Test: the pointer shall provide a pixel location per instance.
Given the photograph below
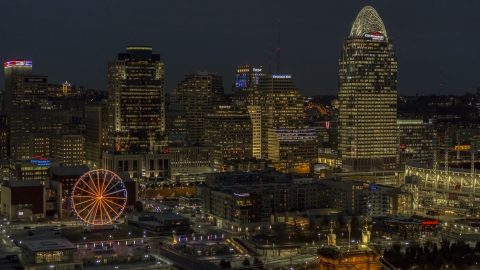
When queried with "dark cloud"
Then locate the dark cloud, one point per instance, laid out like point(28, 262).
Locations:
point(73, 40)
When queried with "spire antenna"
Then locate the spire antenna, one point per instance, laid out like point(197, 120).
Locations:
point(269, 59)
point(278, 49)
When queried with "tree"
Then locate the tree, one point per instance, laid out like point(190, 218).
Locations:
point(138, 206)
point(246, 262)
point(257, 263)
point(228, 265)
point(222, 264)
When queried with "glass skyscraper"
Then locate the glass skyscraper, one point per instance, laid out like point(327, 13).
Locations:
point(368, 96)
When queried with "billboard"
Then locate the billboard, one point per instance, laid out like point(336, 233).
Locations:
point(317, 167)
point(18, 63)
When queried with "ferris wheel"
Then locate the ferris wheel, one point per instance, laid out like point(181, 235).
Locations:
point(99, 197)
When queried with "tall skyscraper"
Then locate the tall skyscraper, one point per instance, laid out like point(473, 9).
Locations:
point(14, 69)
point(246, 82)
point(368, 96)
point(198, 93)
point(136, 105)
point(282, 107)
point(229, 130)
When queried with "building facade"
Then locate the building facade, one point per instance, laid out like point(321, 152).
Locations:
point(246, 82)
point(68, 148)
point(368, 96)
point(197, 93)
point(229, 130)
point(96, 134)
point(13, 70)
point(136, 105)
point(282, 108)
point(22, 122)
point(416, 140)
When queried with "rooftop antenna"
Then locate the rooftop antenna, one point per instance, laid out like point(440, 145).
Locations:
point(269, 59)
point(278, 49)
point(441, 80)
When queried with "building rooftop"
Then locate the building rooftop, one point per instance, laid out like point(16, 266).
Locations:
point(69, 170)
point(162, 216)
point(48, 245)
point(22, 183)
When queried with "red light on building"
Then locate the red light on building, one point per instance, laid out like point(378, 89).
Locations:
point(430, 222)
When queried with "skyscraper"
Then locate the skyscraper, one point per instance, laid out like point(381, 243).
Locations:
point(198, 93)
point(14, 69)
point(246, 82)
point(282, 107)
point(368, 96)
point(136, 105)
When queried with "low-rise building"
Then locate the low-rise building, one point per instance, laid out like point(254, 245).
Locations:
point(245, 208)
point(49, 254)
point(31, 169)
point(165, 222)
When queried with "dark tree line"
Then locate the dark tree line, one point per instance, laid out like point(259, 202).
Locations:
point(430, 256)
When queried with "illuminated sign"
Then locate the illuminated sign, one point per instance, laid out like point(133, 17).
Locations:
point(327, 125)
point(17, 63)
point(241, 81)
point(40, 161)
point(241, 194)
point(374, 36)
point(282, 76)
point(42, 80)
point(224, 107)
point(430, 222)
point(256, 69)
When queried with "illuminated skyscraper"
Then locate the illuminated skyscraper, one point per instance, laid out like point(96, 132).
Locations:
point(229, 130)
point(282, 107)
point(14, 69)
point(246, 82)
point(198, 93)
point(136, 105)
point(368, 96)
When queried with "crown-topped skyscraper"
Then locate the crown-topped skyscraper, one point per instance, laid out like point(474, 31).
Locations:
point(368, 96)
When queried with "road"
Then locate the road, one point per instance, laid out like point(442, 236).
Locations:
point(184, 261)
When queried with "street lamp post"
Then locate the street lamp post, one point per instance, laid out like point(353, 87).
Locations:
point(319, 235)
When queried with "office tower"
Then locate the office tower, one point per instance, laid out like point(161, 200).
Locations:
point(176, 120)
point(294, 149)
point(14, 69)
point(197, 93)
point(4, 137)
point(22, 122)
point(368, 96)
point(96, 127)
point(40, 144)
point(68, 148)
point(136, 105)
point(246, 81)
point(282, 107)
point(31, 91)
point(228, 129)
point(416, 140)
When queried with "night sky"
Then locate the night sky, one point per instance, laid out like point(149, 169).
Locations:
point(73, 40)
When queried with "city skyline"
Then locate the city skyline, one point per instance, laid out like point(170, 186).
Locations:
point(218, 37)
